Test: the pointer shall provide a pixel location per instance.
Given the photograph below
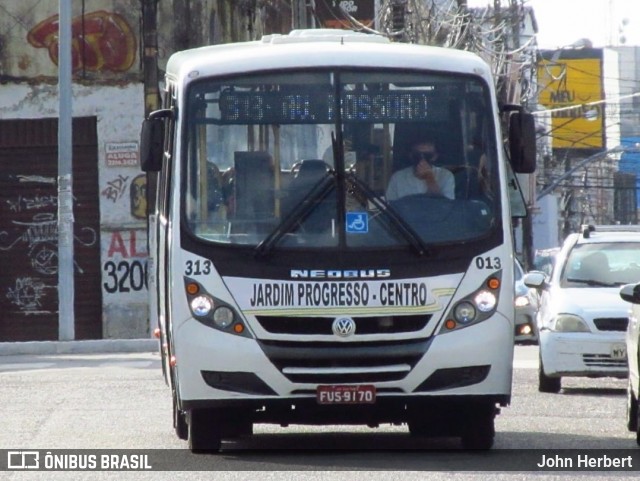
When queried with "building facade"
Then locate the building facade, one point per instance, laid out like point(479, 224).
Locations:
point(111, 42)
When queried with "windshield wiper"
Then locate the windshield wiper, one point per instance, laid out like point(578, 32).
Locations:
point(300, 211)
point(593, 282)
point(398, 222)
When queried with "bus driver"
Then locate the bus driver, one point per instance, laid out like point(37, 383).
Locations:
point(421, 177)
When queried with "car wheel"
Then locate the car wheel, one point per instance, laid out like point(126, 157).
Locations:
point(632, 409)
point(546, 383)
point(204, 433)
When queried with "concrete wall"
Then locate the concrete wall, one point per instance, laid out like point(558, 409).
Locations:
point(119, 110)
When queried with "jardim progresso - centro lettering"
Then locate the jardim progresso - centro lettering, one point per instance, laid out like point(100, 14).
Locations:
point(327, 294)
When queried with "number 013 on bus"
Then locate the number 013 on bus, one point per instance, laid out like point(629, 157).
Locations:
point(330, 241)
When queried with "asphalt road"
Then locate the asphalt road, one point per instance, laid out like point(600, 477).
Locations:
point(120, 401)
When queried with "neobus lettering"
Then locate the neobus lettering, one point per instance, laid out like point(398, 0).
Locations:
point(339, 274)
point(403, 294)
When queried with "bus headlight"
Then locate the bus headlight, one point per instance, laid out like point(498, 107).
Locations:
point(475, 307)
point(223, 317)
point(464, 312)
point(486, 301)
point(201, 305)
point(214, 312)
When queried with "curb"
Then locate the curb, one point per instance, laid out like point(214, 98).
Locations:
point(78, 347)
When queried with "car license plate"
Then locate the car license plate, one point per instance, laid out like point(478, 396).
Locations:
point(619, 351)
point(358, 394)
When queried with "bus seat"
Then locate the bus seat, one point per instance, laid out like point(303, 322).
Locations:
point(254, 182)
point(307, 173)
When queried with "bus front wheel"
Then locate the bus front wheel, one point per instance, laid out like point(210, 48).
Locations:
point(479, 430)
point(204, 430)
point(179, 421)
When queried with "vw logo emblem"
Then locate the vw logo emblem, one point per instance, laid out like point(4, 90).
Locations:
point(343, 327)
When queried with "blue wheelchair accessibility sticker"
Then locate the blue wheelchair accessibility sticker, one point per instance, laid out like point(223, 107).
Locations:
point(357, 222)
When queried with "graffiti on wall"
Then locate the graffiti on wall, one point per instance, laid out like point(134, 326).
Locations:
point(125, 270)
point(41, 238)
point(101, 41)
point(36, 238)
point(117, 187)
point(32, 202)
point(28, 294)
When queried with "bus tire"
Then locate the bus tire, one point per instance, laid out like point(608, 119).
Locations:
point(479, 430)
point(179, 422)
point(548, 384)
point(204, 433)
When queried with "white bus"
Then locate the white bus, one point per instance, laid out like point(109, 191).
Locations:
point(288, 287)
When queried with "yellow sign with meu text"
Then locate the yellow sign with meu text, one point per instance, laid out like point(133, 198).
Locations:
point(572, 89)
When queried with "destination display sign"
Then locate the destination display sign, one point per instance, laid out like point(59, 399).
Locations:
point(307, 106)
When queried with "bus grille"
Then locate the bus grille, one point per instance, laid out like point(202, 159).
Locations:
point(341, 362)
point(322, 325)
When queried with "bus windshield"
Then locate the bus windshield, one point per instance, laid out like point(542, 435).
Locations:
point(339, 158)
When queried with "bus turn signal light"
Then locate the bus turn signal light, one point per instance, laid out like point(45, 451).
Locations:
point(493, 283)
point(193, 288)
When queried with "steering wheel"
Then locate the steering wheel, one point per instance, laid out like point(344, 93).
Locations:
point(295, 168)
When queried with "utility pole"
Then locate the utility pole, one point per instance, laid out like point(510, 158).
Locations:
point(152, 102)
point(66, 312)
point(299, 18)
point(516, 89)
point(150, 55)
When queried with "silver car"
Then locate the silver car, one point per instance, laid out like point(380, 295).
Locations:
point(631, 293)
point(581, 318)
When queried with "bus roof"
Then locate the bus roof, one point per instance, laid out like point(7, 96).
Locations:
point(321, 48)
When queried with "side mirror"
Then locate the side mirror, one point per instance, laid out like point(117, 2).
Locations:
point(535, 279)
point(630, 293)
point(152, 140)
point(522, 142)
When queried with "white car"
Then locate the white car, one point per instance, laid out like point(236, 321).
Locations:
point(631, 293)
point(581, 318)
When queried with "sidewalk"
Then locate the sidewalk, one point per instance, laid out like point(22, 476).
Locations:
point(78, 347)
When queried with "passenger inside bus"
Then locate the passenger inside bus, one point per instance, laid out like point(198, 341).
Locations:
point(422, 176)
